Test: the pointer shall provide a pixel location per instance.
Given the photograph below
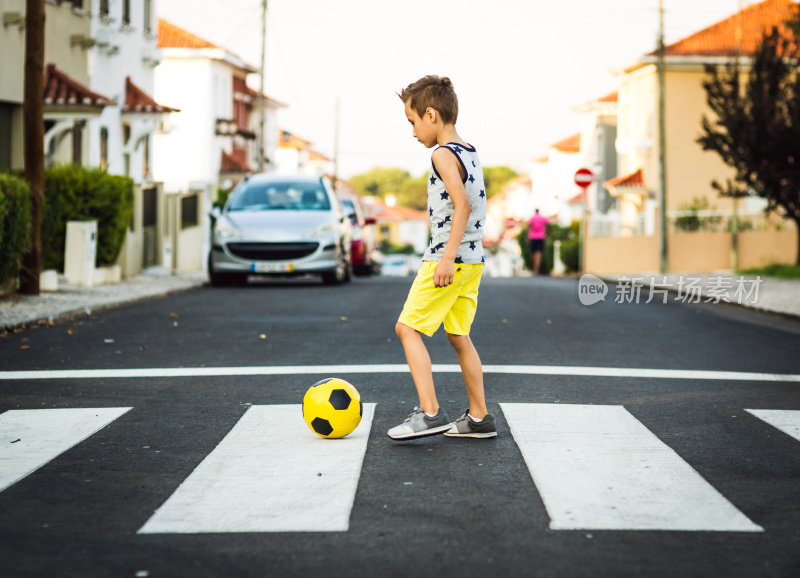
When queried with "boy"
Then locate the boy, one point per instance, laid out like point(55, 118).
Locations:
point(446, 286)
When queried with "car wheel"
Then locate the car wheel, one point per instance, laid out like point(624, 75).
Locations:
point(339, 275)
point(224, 279)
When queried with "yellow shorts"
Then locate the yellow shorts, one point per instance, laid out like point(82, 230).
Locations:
point(428, 306)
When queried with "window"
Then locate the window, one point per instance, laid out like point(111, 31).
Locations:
point(103, 148)
point(146, 161)
point(78, 4)
point(281, 195)
point(104, 9)
point(126, 12)
point(189, 212)
point(148, 28)
point(77, 142)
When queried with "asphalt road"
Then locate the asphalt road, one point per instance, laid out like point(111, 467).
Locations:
point(430, 507)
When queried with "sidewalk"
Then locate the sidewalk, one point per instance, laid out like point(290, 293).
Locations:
point(68, 301)
point(768, 294)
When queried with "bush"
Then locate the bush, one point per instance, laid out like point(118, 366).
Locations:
point(15, 222)
point(554, 232)
point(74, 193)
point(570, 251)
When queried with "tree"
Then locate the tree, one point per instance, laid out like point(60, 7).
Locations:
point(495, 177)
point(756, 129)
point(379, 182)
point(412, 192)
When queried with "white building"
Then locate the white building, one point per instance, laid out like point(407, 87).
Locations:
point(553, 181)
point(212, 143)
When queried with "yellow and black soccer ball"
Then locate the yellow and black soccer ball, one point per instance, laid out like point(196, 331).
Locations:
point(332, 408)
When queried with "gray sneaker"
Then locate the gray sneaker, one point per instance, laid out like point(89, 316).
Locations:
point(466, 427)
point(419, 425)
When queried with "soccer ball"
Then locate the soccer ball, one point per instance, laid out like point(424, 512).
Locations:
point(332, 408)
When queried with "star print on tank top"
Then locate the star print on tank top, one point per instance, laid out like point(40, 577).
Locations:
point(441, 208)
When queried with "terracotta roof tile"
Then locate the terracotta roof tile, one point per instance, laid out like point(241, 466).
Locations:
point(171, 36)
point(231, 164)
point(317, 156)
point(62, 90)
point(720, 39)
point(289, 140)
point(633, 180)
point(612, 97)
point(570, 144)
point(137, 100)
point(579, 198)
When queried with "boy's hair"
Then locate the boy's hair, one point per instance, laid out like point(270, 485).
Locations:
point(435, 92)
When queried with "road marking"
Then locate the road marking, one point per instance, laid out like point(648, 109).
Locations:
point(269, 474)
point(786, 420)
point(599, 468)
point(29, 438)
point(628, 372)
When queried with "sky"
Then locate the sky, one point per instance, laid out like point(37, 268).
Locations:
point(519, 67)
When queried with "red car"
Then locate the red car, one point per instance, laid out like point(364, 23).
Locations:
point(362, 249)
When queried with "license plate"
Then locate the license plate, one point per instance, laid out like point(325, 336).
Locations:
point(271, 267)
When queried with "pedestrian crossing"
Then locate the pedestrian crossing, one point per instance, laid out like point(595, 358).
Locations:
point(298, 482)
point(599, 468)
point(595, 467)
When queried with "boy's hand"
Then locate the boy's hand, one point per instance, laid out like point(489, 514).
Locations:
point(444, 273)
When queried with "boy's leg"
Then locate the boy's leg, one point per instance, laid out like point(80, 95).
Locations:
point(419, 362)
point(472, 369)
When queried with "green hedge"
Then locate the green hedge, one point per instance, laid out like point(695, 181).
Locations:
point(15, 222)
point(73, 193)
point(554, 232)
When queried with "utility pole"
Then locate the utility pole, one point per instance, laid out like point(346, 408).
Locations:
point(261, 86)
point(33, 139)
point(336, 142)
point(662, 145)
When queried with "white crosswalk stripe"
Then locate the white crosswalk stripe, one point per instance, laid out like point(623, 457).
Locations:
point(598, 467)
point(786, 420)
point(595, 467)
point(29, 438)
point(269, 474)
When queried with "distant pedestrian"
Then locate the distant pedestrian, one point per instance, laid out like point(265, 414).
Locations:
point(537, 233)
point(446, 286)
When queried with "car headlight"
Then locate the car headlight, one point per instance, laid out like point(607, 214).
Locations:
point(323, 230)
point(225, 230)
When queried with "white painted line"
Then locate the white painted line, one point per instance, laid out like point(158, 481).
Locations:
point(269, 474)
point(29, 438)
point(627, 372)
point(599, 468)
point(786, 420)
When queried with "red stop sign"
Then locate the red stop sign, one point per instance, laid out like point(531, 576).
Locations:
point(584, 178)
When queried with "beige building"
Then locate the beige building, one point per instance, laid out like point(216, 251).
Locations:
point(698, 230)
point(68, 102)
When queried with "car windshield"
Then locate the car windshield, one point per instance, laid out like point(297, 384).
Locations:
point(292, 196)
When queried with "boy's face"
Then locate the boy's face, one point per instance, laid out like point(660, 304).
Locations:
point(424, 127)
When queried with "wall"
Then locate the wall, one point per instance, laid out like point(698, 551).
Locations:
point(621, 256)
point(690, 169)
point(187, 152)
point(689, 252)
point(12, 50)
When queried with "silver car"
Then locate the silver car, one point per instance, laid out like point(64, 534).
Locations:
point(280, 225)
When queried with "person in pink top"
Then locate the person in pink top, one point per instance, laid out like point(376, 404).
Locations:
point(536, 236)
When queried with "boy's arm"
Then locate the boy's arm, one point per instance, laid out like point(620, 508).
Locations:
point(449, 170)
